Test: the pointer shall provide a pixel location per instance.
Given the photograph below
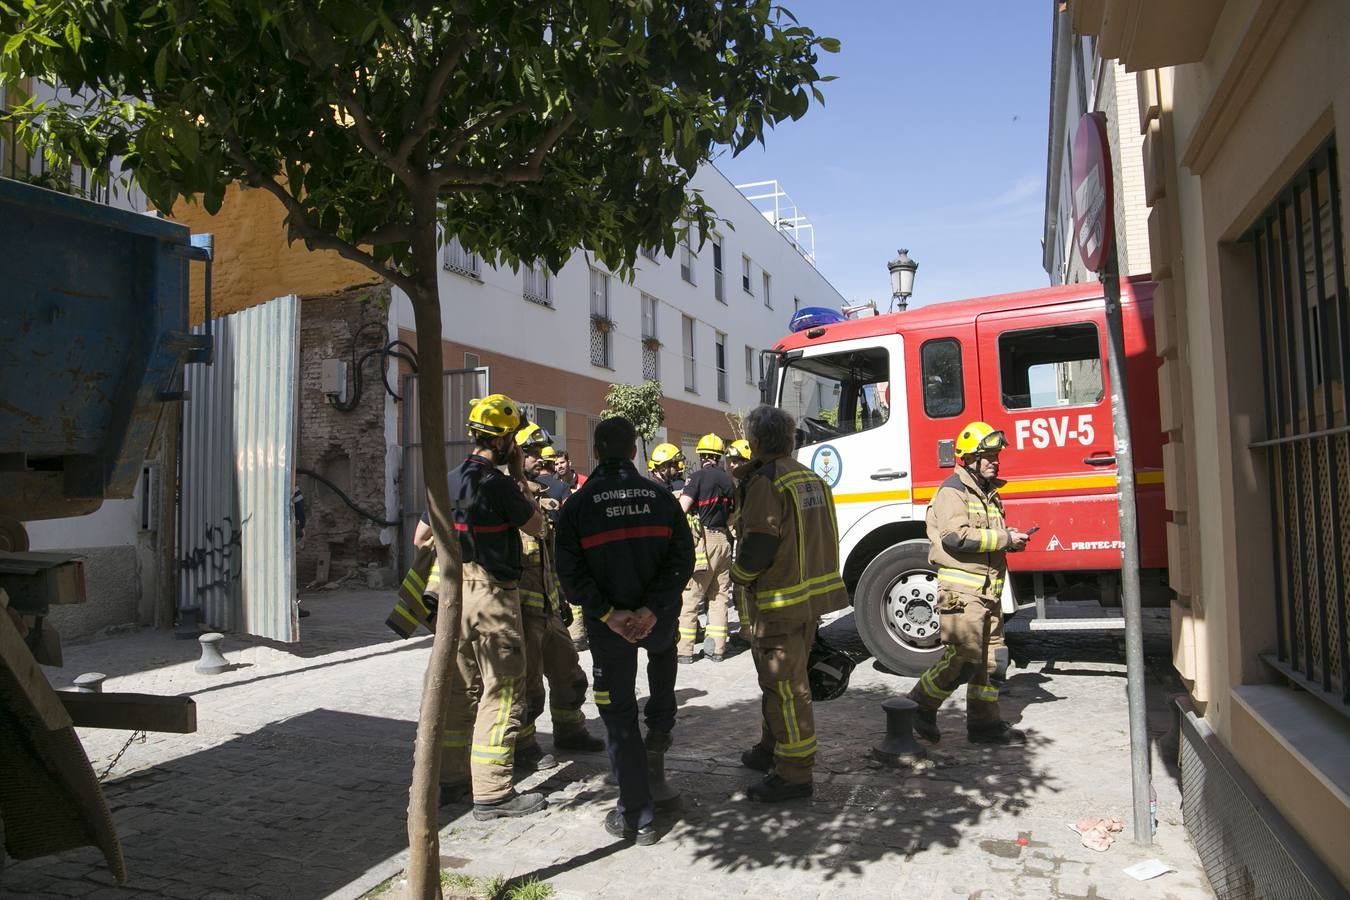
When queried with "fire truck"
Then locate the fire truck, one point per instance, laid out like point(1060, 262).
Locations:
point(879, 402)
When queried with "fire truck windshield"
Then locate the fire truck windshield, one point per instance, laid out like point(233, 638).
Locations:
point(837, 394)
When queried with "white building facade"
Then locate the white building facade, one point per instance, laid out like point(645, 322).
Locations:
point(697, 322)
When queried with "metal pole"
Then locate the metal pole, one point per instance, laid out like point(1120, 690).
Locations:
point(1129, 562)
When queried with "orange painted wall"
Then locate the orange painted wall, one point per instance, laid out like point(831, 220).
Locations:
point(253, 262)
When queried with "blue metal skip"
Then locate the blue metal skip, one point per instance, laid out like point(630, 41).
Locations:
point(94, 320)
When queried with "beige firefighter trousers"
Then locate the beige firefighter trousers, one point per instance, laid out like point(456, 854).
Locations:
point(712, 586)
point(484, 716)
point(549, 654)
point(971, 628)
point(781, 651)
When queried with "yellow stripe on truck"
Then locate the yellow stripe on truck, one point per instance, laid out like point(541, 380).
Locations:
point(1014, 486)
point(1065, 483)
point(872, 497)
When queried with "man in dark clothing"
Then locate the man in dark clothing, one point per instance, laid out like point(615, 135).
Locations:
point(708, 499)
point(624, 554)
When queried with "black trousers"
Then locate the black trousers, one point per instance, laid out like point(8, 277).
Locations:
point(614, 687)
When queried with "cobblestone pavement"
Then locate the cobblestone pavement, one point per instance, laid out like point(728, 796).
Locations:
point(295, 785)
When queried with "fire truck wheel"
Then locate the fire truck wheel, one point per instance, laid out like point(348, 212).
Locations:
point(895, 606)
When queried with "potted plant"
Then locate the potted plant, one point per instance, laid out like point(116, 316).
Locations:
point(651, 343)
point(602, 323)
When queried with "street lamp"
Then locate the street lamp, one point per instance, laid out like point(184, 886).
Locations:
point(902, 270)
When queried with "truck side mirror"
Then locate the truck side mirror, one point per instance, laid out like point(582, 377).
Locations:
point(947, 454)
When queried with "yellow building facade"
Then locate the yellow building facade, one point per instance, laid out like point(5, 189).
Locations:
point(1245, 116)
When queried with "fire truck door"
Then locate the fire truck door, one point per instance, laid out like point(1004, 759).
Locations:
point(849, 401)
point(1043, 382)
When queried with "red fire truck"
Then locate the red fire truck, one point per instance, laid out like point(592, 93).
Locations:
point(879, 402)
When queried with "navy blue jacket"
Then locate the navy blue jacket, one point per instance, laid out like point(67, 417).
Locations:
point(623, 543)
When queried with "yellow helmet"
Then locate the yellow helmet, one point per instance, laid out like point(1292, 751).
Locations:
point(495, 415)
point(979, 438)
point(534, 437)
point(664, 453)
point(739, 449)
point(548, 453)
point(711, 445)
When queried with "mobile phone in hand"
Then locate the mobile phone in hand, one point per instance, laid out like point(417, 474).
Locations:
point(1032, 530)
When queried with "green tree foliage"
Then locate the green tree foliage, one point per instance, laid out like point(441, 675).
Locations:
point(640, 404)
point(527, 130)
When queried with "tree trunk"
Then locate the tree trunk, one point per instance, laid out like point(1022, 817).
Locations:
point(423, 842)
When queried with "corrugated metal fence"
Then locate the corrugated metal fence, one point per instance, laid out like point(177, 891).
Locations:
point(236, 532)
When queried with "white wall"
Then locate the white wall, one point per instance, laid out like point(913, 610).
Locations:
point(114, 524)
point(492, 314)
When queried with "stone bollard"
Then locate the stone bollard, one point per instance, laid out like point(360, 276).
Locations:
point(90, 683)
point(898, 747)
point(213, 662)
point(663, 795)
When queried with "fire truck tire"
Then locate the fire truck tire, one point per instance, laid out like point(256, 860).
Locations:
point(895, 607)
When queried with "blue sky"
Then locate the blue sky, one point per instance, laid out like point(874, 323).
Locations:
point(933, 138)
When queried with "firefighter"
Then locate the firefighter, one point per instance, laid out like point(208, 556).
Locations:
point(738, 463)
point(969, 542)
point(624, 554)
point(559, 465)
point(491, 511)
point(548, 647)
point(666, 465)
point(788, 562)
point(708, 500)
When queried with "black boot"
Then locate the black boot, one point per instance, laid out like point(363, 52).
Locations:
point(533, 759)
point(774, 789)
point(926, 726)
point(510, 807)
point(616, 825)
point(995, 733)
point(759, 758)
point(578, 741)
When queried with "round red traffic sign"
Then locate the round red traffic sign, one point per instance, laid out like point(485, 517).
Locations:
point(1093, 193)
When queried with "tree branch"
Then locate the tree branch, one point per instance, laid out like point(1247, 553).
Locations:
point(452, 177)
point(300, 222)
point(388, 234)
point(431, 100)
point(351, 104)
point(466, 134)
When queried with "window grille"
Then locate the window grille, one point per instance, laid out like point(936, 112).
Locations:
point(651, 351)
point(457, 259)
point(690, 382)
point(538, 284)
point(602, 334)
point(1305, 346)
point(720, 349)
point(719, 280)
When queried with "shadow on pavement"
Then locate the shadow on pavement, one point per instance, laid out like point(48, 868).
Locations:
point(861, 811)
point(341, 622)
point(297, 809)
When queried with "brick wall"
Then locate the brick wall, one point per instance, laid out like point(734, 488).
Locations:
point(347, 448)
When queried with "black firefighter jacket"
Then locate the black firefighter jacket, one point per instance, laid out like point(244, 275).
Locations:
point(623, 543)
